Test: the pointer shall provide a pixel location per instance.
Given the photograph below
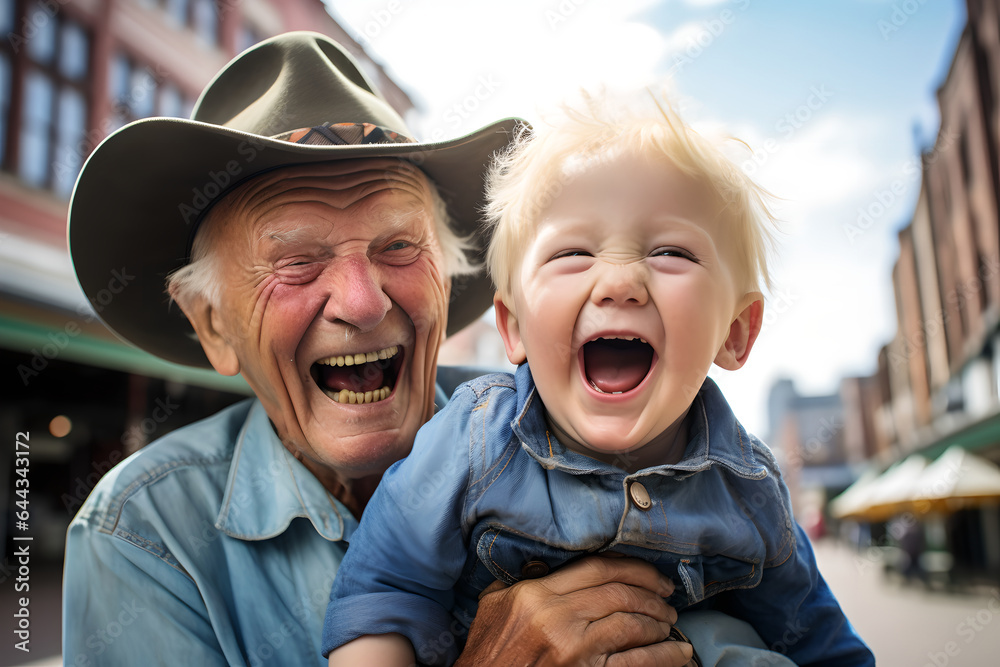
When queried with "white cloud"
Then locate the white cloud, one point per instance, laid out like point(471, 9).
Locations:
point(546, 53)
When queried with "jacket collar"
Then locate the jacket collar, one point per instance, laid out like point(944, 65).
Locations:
point(267, 488)
point(715, 437)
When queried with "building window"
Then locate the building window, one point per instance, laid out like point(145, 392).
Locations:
point(8, 25)
point(5, 93)
point(138, 92)
point(47, 149)
point(964, 158)
point(205, 21)
point(201, 16)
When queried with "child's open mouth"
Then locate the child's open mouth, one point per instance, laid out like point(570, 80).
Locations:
point(616, 364)
point(367, 377)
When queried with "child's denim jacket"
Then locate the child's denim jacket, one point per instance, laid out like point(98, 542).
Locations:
point(488, 493)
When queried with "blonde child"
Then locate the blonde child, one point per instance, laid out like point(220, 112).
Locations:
point(629, 255)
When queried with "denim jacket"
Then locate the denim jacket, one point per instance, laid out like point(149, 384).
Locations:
point(488, 493)
point(211, 546)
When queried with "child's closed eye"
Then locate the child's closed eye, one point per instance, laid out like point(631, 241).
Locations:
point(673, 251)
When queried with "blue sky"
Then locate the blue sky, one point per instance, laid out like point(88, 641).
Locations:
point(835, 98)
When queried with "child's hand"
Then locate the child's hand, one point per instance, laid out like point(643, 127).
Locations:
point(595, 611)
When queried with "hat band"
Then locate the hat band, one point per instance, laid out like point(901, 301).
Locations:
point(340, 134)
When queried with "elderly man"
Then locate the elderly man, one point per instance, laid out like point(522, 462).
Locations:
point(305, 239)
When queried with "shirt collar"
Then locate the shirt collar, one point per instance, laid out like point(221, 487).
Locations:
point(714, 436)
point(268, 487)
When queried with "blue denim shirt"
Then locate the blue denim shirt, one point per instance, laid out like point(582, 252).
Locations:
point(489, 494)
point(211, 546)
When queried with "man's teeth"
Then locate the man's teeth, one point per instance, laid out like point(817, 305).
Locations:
point(348, 396)
point(361, 358)
point(643, 340)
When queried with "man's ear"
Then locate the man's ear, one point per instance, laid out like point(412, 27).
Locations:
point(742, 333)
point(509, 331)
point(207, 323)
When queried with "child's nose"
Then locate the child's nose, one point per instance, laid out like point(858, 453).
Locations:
point(620, 284)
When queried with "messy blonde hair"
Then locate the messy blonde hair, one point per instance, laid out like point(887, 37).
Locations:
point(530, 174)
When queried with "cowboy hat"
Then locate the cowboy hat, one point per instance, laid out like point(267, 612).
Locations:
point(297, 98)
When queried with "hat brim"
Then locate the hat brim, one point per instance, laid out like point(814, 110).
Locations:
point(142, 191)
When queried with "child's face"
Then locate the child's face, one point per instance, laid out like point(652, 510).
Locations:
point(622, 302)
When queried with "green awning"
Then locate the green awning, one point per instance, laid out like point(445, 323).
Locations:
point(983, 434)
point(72, 343)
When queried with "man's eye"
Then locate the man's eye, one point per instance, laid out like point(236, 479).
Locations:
point(398, 245)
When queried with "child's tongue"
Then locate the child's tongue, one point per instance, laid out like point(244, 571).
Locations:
point(614, 365)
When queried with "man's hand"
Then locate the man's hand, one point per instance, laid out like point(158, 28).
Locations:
point(602, 612)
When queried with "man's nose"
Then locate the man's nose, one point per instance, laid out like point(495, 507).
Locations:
point(620, 283)
point(356, 295)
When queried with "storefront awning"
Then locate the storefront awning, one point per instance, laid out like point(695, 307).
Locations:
point(69, 340)
point(958, 479)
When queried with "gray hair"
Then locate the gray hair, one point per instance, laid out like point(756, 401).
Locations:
point(200, 276)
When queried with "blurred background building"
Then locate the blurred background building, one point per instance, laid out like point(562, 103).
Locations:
point(936, 383)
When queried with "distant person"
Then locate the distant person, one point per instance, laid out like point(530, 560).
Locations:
point(910, 534)
point(628, 255)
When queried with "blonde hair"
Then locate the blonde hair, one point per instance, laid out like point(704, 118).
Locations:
point(529, 175)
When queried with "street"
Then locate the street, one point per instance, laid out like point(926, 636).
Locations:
point(905, 625)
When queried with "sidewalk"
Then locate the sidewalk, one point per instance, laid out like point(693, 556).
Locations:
point(905, 625)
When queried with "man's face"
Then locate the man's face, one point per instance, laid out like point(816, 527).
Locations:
point(621, 303)
point(333, 303)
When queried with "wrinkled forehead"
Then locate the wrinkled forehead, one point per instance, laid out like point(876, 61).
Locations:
point(341, 185)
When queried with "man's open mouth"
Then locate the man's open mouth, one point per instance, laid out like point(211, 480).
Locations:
point(365, 377)
point(616, 364)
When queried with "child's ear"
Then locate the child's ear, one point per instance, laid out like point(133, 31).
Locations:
point(207, 323)
point(509, 331)
point(742, 333)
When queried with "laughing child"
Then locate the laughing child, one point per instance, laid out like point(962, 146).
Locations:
point(629, 255)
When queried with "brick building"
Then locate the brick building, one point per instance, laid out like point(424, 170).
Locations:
point(938, 378)
point(943, 363)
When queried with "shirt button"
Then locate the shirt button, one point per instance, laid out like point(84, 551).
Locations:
point(639, 495)
point(534, 569)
